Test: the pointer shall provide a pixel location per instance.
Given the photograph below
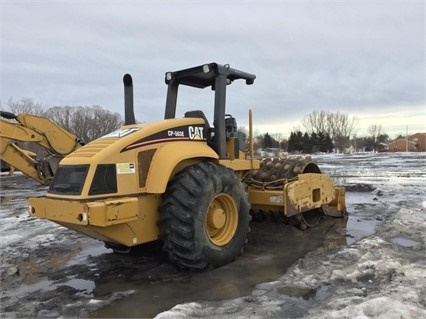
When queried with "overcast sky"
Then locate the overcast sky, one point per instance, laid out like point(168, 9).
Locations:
point(364, 58)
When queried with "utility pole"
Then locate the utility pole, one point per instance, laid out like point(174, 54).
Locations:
point(406, 138)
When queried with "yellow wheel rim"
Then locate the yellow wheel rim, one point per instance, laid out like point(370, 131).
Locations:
point(221, 219)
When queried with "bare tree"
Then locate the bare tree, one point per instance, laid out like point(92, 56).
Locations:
point(316, 122)
point(374, 131)
point(339, 126)
point(88, 123)
point(279, 138)
point(61, 115)
point(378, 137)
point(258, 140)
point(24, 105)
point(243, 130)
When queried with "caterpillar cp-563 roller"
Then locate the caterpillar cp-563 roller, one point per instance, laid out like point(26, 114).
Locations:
point(180, 180)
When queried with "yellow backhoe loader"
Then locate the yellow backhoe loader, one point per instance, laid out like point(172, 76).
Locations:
point(180, 180)
point(37, 129)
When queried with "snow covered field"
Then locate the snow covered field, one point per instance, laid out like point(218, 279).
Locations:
point(378, 270)
point(381, 276)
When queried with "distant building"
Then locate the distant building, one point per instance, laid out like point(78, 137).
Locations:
point(420, 140)
point(414, 143)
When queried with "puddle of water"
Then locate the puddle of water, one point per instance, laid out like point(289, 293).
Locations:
point(358, 228)
point(272, 248)
point(355, 198)
point(297, 292)
point(404, 242)
point(86, 286)
point(31, 268)
point(44, 284)
point(363, 217)
point(89, 249)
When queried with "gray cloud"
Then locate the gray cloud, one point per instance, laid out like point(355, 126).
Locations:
point(340, 56)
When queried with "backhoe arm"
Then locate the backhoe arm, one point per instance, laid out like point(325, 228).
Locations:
point(40, 130)
point(18, 158)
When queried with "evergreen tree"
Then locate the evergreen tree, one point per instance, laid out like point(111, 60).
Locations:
point(292, 143)
point(268, 141)
point(299, 141)
point(321, 141)
point(306, 143)
point(328, 144)
point(303, 142)
point(295, 142)
point(315, 143)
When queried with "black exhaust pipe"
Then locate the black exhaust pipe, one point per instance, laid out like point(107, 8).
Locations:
point(129, 114)
point(8, 115)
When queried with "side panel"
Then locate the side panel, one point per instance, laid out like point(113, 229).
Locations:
point(167, 157)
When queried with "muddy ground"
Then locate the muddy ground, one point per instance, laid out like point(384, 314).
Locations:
point(48, 271)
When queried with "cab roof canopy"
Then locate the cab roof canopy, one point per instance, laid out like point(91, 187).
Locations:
point(217, 77)
point(205, 75)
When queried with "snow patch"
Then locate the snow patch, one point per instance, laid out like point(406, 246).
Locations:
point(180, 311)
point(380, 308)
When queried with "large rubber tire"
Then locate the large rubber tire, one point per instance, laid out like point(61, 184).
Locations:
point(204, 217)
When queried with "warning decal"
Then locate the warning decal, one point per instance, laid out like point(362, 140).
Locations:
point(125, 168)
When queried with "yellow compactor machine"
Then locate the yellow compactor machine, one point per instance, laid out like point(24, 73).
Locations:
point(180, 180)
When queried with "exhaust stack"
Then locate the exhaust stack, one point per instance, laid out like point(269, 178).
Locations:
point(129, 115)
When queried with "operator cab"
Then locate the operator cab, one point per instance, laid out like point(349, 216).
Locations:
point(217, 77)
